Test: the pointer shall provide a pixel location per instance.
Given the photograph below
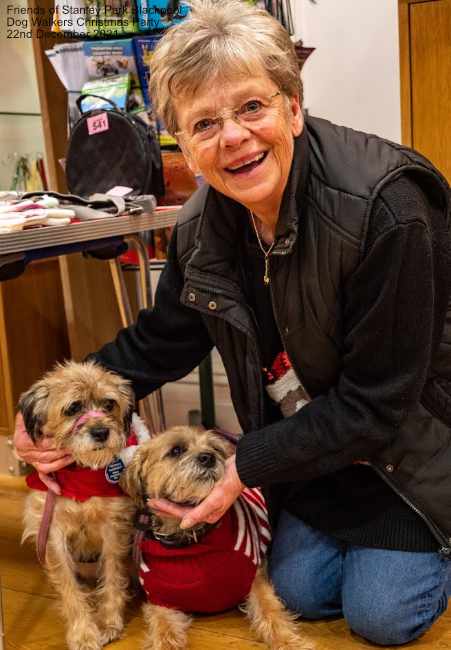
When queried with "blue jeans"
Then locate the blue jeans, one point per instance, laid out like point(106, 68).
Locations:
point(387, 597)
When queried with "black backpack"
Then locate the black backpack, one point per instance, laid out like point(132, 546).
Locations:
point(123, 150)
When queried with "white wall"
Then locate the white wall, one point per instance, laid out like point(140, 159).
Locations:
point(19, 135)
point(352, 78)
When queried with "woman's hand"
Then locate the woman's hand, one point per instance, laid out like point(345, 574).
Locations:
point(42, 454)
point(225, 492)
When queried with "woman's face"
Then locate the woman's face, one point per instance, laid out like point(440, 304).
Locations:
point(249, 162)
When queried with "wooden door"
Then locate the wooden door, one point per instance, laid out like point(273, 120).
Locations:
point(425, 39)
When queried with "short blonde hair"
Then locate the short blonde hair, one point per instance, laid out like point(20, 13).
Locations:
point(220, 39)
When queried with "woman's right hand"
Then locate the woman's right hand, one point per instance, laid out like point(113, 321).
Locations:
point(42, 454)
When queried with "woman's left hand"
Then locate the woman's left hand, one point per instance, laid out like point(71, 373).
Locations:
point(225, 492)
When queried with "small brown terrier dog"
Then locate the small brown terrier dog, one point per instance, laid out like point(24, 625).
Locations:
point(183, 465)
point(86, 410)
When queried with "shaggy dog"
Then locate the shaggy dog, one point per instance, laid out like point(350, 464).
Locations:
point(86, 410)
point(208, 568)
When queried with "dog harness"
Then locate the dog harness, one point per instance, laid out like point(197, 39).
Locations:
point(215, 573)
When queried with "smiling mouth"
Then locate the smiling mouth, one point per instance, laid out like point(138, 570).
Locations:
point(247, 167)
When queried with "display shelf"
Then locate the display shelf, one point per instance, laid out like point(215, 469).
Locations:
point(19, 114)
point(51, 236)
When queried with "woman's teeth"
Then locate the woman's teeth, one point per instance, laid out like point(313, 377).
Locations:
point(252, 162)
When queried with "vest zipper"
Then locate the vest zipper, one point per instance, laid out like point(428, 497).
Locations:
point(445, 548)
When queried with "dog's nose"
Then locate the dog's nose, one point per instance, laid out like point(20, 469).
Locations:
point(100, 434)
point(207, 460)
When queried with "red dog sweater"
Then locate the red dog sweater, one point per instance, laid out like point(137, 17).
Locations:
point(82, 483)
point(216, 573)
point(79, 483)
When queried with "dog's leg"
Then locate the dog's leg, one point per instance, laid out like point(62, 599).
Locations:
point(268, 617)
point(166, 628)
point(112, 591)
point(82, 632)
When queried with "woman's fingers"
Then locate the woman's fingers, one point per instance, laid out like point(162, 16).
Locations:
point(36, 456)
point(210, 510)
point(52, 465)
point(168, 508)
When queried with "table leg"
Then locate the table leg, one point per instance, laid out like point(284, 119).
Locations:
point(151, 407)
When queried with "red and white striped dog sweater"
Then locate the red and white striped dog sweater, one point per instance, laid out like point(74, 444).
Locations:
point(216, 573)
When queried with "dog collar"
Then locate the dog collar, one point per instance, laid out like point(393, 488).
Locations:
point(143, 524)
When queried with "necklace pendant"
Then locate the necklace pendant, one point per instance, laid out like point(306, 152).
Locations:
point(266, 253)
point(266, 276)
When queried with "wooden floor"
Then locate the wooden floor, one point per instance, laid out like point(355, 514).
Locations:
point(32, 620)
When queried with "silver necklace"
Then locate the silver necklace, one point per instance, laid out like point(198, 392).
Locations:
point(266, 252)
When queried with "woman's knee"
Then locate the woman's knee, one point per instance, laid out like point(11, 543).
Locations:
point(383, 623)
point(393, 597)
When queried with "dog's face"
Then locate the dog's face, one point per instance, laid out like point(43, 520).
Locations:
point(85, 408)
point(181, 464)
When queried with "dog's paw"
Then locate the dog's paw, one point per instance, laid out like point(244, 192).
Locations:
point(110, 633)
point(287, 642)
point(166, 628)
point(170, 641)
point(84, 639)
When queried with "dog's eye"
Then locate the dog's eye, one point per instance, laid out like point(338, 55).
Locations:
point(73, 408)
point(108, 404)
point(178, 450)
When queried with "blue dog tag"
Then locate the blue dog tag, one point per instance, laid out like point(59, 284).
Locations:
point(114, 470)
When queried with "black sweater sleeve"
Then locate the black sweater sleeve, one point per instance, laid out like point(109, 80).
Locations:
point(165, 343)
point(388, 316)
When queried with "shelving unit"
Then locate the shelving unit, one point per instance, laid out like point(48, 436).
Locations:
point(86, 283)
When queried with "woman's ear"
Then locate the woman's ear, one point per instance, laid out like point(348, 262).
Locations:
point(296, 116)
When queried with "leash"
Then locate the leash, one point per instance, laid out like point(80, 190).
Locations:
point(43, 535)
point(50, 501)
point(141, 524)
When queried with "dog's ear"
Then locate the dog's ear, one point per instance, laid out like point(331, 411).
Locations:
point(132, 478)
point(227, 444)
point(126, 392)
point(33, 406)
point(127, 421)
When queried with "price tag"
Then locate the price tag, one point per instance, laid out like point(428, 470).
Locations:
point(98, 123)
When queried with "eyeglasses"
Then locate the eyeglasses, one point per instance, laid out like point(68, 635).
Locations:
point(250, 115)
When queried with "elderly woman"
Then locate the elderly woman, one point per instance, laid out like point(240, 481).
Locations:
point(316, 259)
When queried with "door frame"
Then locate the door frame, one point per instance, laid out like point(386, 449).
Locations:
point(405, 66)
